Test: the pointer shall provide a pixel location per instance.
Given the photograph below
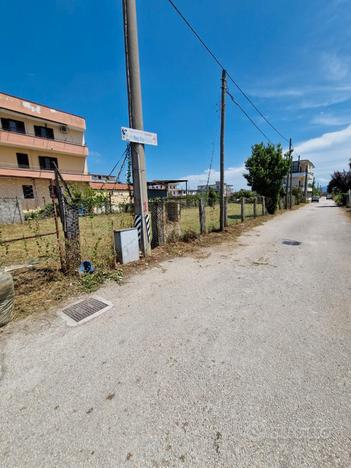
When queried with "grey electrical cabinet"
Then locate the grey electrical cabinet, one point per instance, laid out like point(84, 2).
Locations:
point(126, 245)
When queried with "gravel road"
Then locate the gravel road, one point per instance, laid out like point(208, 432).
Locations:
point(237, 356)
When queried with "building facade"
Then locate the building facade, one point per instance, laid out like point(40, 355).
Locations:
point(302, 177)
point(167, 188)
point(33, 139)
point(228, 189)
point(118, 194)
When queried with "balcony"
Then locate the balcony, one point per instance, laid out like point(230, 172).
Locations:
point(11, 170)
point(30, 141)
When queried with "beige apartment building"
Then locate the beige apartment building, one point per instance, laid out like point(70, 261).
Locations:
point(302, 177)
point(33, 138)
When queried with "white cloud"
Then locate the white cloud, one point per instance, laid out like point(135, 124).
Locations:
point(329, 152)
point(307, 96)
point(232, 175)
point(278, 93)
point(336, 67)
point(330, 119)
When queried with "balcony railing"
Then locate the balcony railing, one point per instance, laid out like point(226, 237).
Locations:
point(30, 140)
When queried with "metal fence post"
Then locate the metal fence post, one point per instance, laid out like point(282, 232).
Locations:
point(242, 205)
point(202, 216)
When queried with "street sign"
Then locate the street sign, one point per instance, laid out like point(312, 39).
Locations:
point(138, 136)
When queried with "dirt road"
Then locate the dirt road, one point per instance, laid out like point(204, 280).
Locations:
point(239, 356)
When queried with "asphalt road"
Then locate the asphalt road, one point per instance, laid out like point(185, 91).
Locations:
point(238, 356)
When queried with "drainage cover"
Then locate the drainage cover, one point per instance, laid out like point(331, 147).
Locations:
point(291, 242)
point(84, 310)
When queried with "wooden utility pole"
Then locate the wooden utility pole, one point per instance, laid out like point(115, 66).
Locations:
point(141, 207)
point(221, 191)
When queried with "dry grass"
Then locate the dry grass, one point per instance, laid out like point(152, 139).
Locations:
point(190, 216)
point(44, 286)
point(96, 236)
point(96, 240)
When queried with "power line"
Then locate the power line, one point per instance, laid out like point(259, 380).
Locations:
point(115, 166)
point(247, 115)
point(220, 64)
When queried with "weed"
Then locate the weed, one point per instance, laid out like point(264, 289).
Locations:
point(91, 282)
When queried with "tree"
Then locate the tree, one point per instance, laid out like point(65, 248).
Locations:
point(267, 168)
point(87, 199)
point(212, 197)
point(242, 193)
point(340, 182)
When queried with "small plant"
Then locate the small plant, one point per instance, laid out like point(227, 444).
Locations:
point(91, 282)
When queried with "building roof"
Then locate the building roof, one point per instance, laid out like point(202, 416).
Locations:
point(304, 161)
point(34, 109)
point(109, 186)
point(167, 181)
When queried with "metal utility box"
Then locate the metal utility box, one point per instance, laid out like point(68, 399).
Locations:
point(126, 245)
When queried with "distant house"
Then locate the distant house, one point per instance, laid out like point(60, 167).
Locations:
point(302, 177)
point(167, 188)
point(228, 189)
point(118, 193)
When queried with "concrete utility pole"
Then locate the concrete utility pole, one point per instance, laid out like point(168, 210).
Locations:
point(141, 206)
point(221, 191)
point(306, 182)
point(290, 174)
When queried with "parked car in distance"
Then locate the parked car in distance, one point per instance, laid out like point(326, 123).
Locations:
point(329, 196)
point(315, 198)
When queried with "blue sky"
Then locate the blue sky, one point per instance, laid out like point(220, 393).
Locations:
point(292, 58)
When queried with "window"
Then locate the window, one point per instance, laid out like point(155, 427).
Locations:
point(44, 132)
point(47, 163)
point(22, 160)
point(13, 125)
point(28, 191)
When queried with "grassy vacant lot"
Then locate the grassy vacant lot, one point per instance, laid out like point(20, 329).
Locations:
point(96, 235)
point(190, 216)
point(96, 240)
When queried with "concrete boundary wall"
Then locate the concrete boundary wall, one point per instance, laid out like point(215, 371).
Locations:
point(11, 211)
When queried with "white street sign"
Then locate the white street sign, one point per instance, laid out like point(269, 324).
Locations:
point(139, 136)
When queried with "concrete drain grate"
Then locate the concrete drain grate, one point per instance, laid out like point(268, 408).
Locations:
point(291, 242)
point(84, 310)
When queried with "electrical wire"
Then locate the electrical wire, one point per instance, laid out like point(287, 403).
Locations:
point(247, 115)
point(125, 152)
point(220, 64)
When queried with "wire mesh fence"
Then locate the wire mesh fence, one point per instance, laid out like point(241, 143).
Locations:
point(38, 241)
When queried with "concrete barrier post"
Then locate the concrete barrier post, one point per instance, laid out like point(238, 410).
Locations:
point(202, 216)
point(255, 207)
point(242, 205)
